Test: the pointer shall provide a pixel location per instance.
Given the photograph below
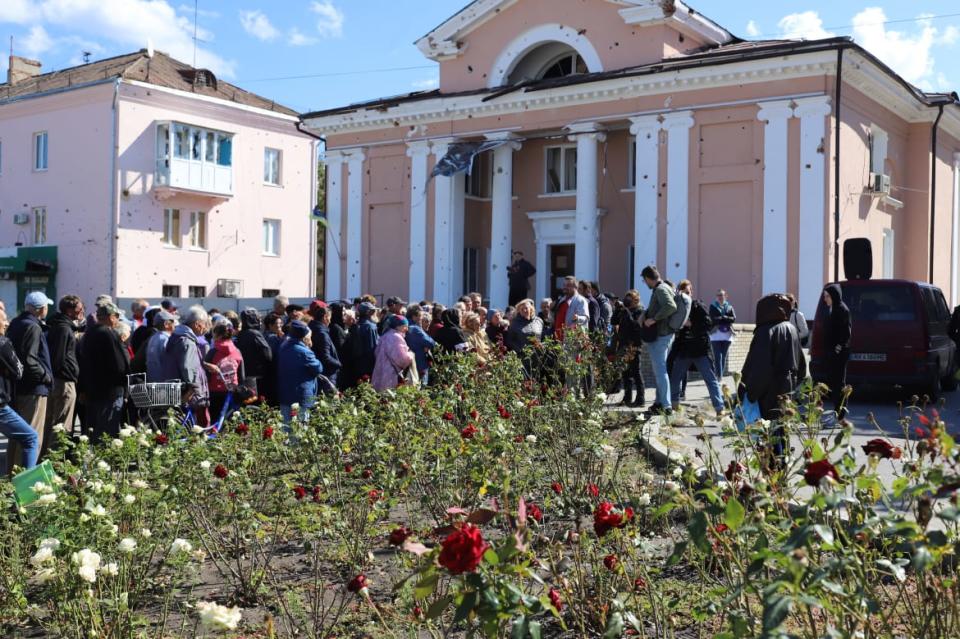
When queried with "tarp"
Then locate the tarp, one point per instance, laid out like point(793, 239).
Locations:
point(459, 157)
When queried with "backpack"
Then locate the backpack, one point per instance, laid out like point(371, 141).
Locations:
point(682, 314)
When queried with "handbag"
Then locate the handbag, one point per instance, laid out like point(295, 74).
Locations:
point(746, 413)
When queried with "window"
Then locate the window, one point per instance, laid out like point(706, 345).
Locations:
point(40, 151)
point(269, 292)
point(198, 230)
point(40, 225)
point(210, 147)
point(170, 290)
point(271, 237)
point(271, 166)
point(198, 292)
point(566, 64)
point(474, 262)
point(888, 253)
point(561, 174)
point(193, 143)
point(171, 228)
point(224, 150)
point(480, 181)
point(878, 150)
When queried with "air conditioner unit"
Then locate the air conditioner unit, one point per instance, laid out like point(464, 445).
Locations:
point(229, 288)
point(879, 184)
point(21, 218)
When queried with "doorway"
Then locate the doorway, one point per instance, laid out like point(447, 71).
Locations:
point(562, 260)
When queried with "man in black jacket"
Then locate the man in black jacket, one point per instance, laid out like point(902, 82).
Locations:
point(104, 365)
point(62, 340)
point(627, 321)
point(322, 343)
point(257, 355)
point(11, 424)
point(693, 347)
point(26, 333)
point(518, 276)
point(837, 333)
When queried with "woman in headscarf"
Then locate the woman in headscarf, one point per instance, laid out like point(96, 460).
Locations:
point(256, 352)
point(775, 365)
point(436, 320)
point(228, 359)
point(451, 335)
point(297, 371)
point(476, 337)
point(393, 356)
point(836, 341)
point(496, 328)
point(338, 330)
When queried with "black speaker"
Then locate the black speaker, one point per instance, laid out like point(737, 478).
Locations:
point(857, 259)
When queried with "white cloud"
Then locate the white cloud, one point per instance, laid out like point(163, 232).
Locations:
point(298, 39)
point(188, 10)
point(36, 43)
point(18, 11)
point(427, 84)
point(806, 25)
point(908, 54)
point(330, 21)
point(752, 29)
point(257, 24)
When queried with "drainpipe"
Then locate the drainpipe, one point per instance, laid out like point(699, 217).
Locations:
point(933, 185)
point(836, 167)
point(114, 190)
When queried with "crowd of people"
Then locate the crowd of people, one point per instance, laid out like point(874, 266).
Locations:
point(69, 367)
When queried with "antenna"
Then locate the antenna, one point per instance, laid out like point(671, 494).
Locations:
point(196, 13)
point(86, 57)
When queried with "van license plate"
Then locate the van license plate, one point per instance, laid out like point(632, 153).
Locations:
point(868, 357)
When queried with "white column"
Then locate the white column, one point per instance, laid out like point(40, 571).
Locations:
point(813, 192)
point(332, 289)
point(776, 115)
point(587, 135)
point(677, 125)
point(955, 244)
point(447, 231)
point(501, 226)
point(418, 152)
point(355, 158)
point(647, 173)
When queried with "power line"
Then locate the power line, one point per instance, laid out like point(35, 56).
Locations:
point(874, 24)
point(341, 73)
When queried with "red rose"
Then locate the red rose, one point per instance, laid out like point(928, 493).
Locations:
point(639, 583)
point(399, 535)
point(268, 432)
point(518, 439)
point(448, 416)
point(242, 429)
point(474, 414)
point(555, 599)
point(358, 583)
point(317, 491)
point(299, 492)
point(606, 518)
point(734, 470)
point(347, 468)
point(610, 562)
point(468, 432)
point(221, 471)
point(367, 473)
point(161, 439)
point(557, 487)
point(463, 550)
point(882, 449)
point(594, 490)
point(818, 470)
point(504, 413)
point(374, 495)
point(364, 379)
point(535, 513)
point(417, 612)
point(721, 528)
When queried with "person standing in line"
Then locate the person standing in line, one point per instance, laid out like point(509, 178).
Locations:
point(11, 424)
point(837, 334)
point(297, 372)
point(627, 321)
point(184, 361)
point(143, 334)
point(91, 320)
point(723, 316)
point(280, 304)
point(104, 364)
point(419, 342)
point(229, 361)
point(518, 276)
point(361, 346)
point(138, 311)
point(323, 346)
point(571, 311)
point(799, 321)
point(62, 340)
point(693, 347)
point(26, 332)
point(156, 347)
point(338, 328)
point(657, 318)
point(393, 356)
point(586, 290)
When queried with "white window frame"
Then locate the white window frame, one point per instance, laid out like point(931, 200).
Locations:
point(889, 254)
point(39, 225)
point(197, 231)
point(172, 237)
point(271, 240)
point(41, 157)
point(879, 141)
point(564, 188)
point(632, 162)
point(268, 178)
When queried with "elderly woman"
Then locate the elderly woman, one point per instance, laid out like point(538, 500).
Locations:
point(477, 339)
point(228, 359)
point(419, 341)
point(525, 329)
point(496, 328)
point(393, 356)
point(297, 371)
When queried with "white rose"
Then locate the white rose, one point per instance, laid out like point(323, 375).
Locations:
point(129, 499)
point(643, 500)
point(84, 518)
point(139, 484)
point(88, 562)
point(726, 422)
point(114, 529)
point(98, 511)
point(51, 543)
point(532, 439)
point(677, 472)
point(199, 555)
point(216, 617)
point(205, 464)
point(197, 429)
point(59, 428)
point(58, 480)
point(118, 443)
point(146, 534)
point(142, 441)
point(647, 477)
point(127, 431)
point(602, 397)
point(294, 406)
point(42, 488)
point(104, 466)
point(83, 439)
point(180, 546)
point(671, 486)
point(127, 545)
point(111, 569)
point(47, 499)
point(42, 556)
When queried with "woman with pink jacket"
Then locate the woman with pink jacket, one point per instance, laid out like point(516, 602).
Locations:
point(393, 356)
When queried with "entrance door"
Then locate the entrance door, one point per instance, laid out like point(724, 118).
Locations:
point(561, 265)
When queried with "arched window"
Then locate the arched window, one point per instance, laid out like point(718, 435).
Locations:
point(548, 61)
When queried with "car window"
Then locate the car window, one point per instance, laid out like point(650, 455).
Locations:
point(930, 304)
point(883, 303)
point(944, 309)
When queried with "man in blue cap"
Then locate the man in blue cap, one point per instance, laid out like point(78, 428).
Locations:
point(30, 344)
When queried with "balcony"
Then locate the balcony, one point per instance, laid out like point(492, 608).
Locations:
point(193, 160)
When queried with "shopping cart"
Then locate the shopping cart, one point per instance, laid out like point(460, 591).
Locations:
point(159, 403)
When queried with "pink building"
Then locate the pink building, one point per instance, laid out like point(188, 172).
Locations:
point(640, 132)
point(142, 176)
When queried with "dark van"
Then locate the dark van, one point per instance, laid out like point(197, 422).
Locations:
point(900, 336)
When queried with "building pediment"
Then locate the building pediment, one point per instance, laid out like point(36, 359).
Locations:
point(446, 41)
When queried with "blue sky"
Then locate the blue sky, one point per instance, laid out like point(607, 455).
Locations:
point(267, 46)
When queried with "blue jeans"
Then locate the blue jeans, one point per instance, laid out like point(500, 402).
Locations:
point(720, 357)
point(705, 367)
point(303, 414)
point(13, 426)
point(659, 351)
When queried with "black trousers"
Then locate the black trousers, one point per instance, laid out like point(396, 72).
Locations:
point(836, 372)
point(633, 379)
point(518, 294)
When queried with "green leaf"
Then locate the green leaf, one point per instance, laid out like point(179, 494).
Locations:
point(615, 627)
point(491, 557)
point(437, 607)
point(698, 531)
point(521, 628)
point(775, 611)
point(677, 555)
point(922, 558)
point(426, 586)
point(897, 571)
point(824, 532)
point(950, 513)
point(535, 630)
point(734, 514)
point(466, 606)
